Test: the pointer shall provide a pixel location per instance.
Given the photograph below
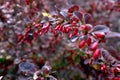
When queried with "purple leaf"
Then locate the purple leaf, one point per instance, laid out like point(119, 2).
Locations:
point(78, 15)
point(74, 39)
point(87, 18)
point(112, 35)
point(26, 67)
point(108, 57)
point(100, 28)
point(64, 15)
point(57, 9)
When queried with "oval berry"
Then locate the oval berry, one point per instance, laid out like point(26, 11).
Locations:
point(88, 41)
point(64, 29)
point(71, 35)
point(73, 8)
point(83, 27)
point(57, 27)
point(60, 28)
point(116, 78)
point(46, 26)
point(75, 32)
point(116, 70)
point(103, 67)
point(20, 37)
point(88, 27)
point(96, 54)
point(100, 35)
point(27, 2)
point(94, 46)
point(82, 44)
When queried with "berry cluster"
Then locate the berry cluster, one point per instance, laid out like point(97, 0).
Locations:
point(76, 25)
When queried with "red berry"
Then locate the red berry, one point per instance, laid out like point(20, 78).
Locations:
point(46, 26)
point(36, 33)
point(116, 78)
point(70, 10)
point(103, 67)
point(36, 25)
point(75, 19)
point(20, 37)
point(75, 32)
point(100, 35)
point(28, 29)
point(94, 45)
point(71, 35)
point(96, 54)
point(67, 30)
point(60, 28)
point(74, 23)
point(64, 30)
point(75, 7)
point(27, 2)
point(46, 30)
point(57, 27)
point(118, 65)
point(42, 78)
point(46, 71)
point(89, 40)
point(88, 27)
point(70, 14)
point(83, 27)
point(40, 33)
point(82, 44)
point(116, 70)
point(90, 62)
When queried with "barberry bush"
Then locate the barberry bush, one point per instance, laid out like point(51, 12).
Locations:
point(59, 40)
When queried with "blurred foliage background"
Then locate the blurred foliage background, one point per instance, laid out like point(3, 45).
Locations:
point(15, 16)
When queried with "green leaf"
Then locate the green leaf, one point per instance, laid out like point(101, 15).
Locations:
point(82, 54)
point(60, 64)
point(63, 62)
point(2, 60)
point(12, 70)
point(1, 71)
point(77, 59)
